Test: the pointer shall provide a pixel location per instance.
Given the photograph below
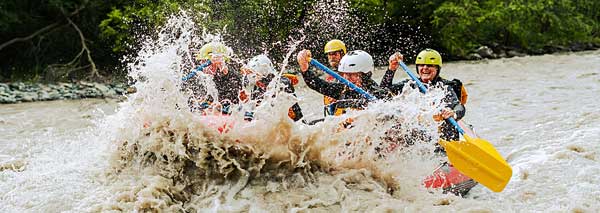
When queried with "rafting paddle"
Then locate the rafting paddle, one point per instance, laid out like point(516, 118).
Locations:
point(198, 69)
point(342, 79)
point(474, 157)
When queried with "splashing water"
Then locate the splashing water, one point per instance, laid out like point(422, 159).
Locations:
point(166, 157)
point(162, 156)
point(335, 19)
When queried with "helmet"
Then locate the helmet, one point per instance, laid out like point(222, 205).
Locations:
point(212, 48)
point(356, 61)
point(429, 56)
point(335, 45)
point(260, 64)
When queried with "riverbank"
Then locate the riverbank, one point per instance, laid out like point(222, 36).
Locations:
point(17, 92)
point(497, 51)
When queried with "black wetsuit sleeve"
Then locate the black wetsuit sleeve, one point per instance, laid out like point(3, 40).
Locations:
point(454, 103)
point(387, 79)
point(331, 89)
point(386, 82)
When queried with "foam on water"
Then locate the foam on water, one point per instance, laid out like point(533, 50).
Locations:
point(56, 166)
point(154, 154)
point(166, 157)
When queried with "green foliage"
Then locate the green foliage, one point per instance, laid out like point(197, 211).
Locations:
point(455, 22)
point(465, 24)
point(264, 25)
point(113, 28)
point(136, 18)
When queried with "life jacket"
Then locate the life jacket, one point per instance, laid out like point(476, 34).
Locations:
point(328, 107)
point(288, 80)
point(341, 106)
point(293, 78)
point(341, 111)
point(294, 112)
point(458, 88)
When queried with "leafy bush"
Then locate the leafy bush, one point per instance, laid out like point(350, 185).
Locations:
point(530, 25)
point(36, 37)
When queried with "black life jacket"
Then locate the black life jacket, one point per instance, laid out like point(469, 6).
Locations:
point(458, 88)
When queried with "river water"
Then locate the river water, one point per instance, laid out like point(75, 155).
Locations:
point(540, 112)
point(149, 153)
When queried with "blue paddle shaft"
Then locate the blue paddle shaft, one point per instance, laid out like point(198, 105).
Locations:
point(198, 69)
point(419, 83)
point(453, 122)
point(424, 90)
point(342, 79)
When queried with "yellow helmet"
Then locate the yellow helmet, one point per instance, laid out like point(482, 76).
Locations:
point(335, 45)
point(429, 56)
point(212, 48)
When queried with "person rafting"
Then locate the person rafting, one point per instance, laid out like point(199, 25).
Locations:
point(429, 64)
point(357, 67)
point(258, 74)
point(335, 50)
point(227, 82)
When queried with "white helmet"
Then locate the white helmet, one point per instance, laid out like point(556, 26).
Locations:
point(356, 61)
point(261, 64)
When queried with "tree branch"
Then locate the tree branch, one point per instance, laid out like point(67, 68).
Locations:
point(15, 40)
point(36, 33)
point(87, 50)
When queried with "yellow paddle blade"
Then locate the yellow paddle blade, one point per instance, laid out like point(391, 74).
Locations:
point(478, 159)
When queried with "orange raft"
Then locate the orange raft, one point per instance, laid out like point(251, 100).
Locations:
point(450, 180)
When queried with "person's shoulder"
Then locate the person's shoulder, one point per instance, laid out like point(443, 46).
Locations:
point(457, 82)
point(451, 82)
point(405, 81)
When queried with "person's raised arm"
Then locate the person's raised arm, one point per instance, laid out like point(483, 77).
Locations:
point(313, 81)
point(393, 63)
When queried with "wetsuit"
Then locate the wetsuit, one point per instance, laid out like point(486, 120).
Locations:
point(258, 92)
point(448, 132)
point(463, 183)
point(346, 97)
point(328, 101)
point(228, 87)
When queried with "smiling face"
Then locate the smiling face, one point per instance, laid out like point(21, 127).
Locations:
point(334, 58)
point(427, 72)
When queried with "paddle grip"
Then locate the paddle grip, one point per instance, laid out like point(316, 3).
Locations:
point(453, 122)
point(342, 79)
point(198, 69)
point(423, 89)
